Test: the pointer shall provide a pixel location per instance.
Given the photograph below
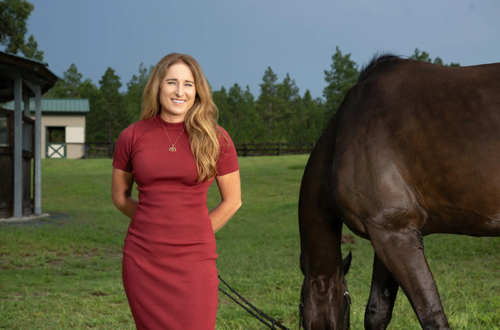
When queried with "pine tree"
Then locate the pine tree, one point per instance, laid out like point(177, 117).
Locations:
point(266, 103)
point(315, 123)
point(69, 87)
point(112, 112)
point(133, 96)
point(225, 119)
point(248, 126)
point(107, 116)
point(252, 126)
point(288, 102)
point(421, 56)
point(234, 103)
point(94, 128)
point(30, 49)
point(342, 76)
point(424, 56)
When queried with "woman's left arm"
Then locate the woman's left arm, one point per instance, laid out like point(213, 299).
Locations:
point(230, 191)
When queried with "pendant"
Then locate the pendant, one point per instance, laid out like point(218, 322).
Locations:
point(172, 149)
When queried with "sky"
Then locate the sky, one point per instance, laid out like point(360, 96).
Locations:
point(235, 40)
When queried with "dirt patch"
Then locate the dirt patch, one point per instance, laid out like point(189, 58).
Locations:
point(58, 219)
point(347, 239)
point(55, 258)
point(19, 296)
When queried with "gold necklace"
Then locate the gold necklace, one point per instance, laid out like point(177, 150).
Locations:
point(172, 148)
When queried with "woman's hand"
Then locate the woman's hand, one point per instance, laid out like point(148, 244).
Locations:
point(121, 192)
point(230, 191)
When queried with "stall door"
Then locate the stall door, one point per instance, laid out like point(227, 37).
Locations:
point(6, 162)
point(56, 142)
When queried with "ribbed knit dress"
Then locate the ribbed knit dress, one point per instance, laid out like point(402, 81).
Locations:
point(169, 271)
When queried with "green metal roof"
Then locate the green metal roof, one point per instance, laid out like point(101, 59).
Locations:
point(57, 105)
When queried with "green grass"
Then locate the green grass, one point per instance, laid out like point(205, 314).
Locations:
point(64, 272)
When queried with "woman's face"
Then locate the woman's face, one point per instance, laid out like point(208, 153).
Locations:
point(177, 93)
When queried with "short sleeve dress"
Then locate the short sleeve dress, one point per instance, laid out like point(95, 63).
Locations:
point(169, 271)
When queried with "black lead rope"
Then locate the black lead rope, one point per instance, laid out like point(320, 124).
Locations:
point(271, 325)
point(275, 323)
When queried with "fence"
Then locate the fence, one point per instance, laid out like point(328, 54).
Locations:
point(99, 150)
point(273, 149)
point(106, 149)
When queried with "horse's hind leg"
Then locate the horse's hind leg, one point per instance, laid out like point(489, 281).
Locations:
point(402, 252)
point(383, 293)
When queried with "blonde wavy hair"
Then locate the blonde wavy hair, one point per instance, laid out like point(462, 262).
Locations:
point(201, 119)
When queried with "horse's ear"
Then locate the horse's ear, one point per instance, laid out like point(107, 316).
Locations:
point(346, 263)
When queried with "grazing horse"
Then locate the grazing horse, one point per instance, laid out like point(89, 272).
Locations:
point(413, 150)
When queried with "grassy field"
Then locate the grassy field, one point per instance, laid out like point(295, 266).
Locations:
point(64, 272)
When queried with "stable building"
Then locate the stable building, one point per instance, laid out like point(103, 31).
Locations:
point(20, 135)
point(63, 126)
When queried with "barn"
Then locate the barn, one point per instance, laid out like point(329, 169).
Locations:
point(63, 126)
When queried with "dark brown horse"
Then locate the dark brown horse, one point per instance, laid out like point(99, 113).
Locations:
point(413, 150)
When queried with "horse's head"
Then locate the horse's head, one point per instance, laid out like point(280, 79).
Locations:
point(325, 301)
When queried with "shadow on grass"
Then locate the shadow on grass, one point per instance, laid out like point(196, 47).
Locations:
point(58, 219)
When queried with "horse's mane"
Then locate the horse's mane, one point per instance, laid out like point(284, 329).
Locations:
point(366, 69)
point(376, 59)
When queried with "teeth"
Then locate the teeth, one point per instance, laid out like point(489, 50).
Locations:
point(178, 102)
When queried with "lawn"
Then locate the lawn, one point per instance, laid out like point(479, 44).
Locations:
point(64, 272)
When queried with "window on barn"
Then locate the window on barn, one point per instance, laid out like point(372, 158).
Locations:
point(56, 134)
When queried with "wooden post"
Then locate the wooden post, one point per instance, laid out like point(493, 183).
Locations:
point(26, 102)
point(244, 149)
point(279, 148)
point(38, 150)
point(18, 147)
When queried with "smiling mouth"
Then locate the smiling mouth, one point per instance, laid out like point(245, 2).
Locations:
point(178, 101)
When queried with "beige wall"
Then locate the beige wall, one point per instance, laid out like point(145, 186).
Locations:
point(75, 150)
point(63, 120)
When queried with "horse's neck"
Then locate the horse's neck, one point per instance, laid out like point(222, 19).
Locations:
point(320, 228)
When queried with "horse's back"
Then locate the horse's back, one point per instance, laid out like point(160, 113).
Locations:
point(420, 141)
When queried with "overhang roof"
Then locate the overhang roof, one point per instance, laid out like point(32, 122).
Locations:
point(32, 71)
point(57, 105)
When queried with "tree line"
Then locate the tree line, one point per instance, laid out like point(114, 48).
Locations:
point(280, 113)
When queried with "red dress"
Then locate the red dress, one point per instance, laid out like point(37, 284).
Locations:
point(169, 272)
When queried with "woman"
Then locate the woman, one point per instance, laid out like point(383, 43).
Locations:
point(173, 154)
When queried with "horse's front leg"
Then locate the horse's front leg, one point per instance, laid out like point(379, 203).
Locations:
point(383, 294)
point(402, 252)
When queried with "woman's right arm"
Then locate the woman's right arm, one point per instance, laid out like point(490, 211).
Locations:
point(121, 192)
